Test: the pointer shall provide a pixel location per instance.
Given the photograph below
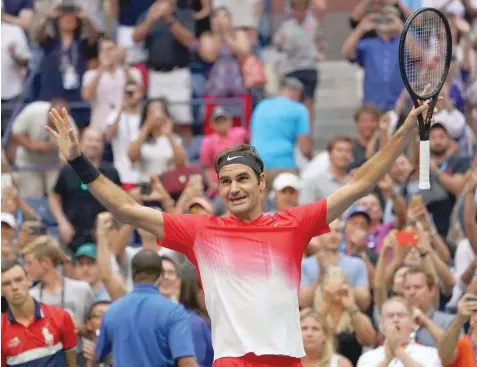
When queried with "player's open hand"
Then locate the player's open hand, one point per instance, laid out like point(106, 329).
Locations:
point(64, 135)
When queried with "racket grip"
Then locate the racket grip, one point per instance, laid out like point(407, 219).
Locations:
point(424, 160)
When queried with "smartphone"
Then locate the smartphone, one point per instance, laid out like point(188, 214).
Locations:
point(7, 180)
point(68, 8)
point(381, 19)
point(407, 238)
point(38, 230)
point(416, 200)
point(146, 188)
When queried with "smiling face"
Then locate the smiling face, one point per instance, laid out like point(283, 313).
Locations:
point(241, 190)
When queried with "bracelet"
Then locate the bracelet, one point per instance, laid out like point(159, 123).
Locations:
point(85, 170)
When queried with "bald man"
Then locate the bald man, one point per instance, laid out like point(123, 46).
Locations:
point(73, 207)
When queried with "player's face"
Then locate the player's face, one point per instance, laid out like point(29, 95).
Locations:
point(371, 204)
point(240, 189)
point(416, 291)
point(396, 315)
point(342, 154)
point(15, 285)
point(312, 333)
point(438, 142)
point(88, 270)
point(286, 198)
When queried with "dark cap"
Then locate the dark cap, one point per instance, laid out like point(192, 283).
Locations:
point(219, 112)
point(439, 125)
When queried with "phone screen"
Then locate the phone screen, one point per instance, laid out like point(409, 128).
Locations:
point(407, 238)
point(146, 188)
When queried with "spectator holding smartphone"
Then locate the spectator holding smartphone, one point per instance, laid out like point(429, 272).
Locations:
point(122, 129)
point(157, 149)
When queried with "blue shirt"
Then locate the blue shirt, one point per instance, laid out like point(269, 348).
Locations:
point(382, 79)
point(202, 340)
point(276, 124)
point(14, 7)
point(145, 329)
point(353, 267)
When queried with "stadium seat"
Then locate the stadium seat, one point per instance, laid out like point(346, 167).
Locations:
point(41, 208)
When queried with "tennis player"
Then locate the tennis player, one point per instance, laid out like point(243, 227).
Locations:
point(249, 262)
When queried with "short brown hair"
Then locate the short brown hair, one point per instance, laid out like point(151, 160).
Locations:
point(10, 263)
point(245, 149)
point(430, 281)
point(338, 139)
point(45, 246)
point(367, 108)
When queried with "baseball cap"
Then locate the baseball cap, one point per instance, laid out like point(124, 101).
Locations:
point(286, 179)
point(218, 112)
point(358, 211)
point(9, 220)
point(88, 250)
point(204, 203)
point(438, 125)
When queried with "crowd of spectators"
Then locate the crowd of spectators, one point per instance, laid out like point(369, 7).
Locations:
point(394, 280)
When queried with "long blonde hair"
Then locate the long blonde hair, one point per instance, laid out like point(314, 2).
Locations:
point(344, 324)
point(327, 348)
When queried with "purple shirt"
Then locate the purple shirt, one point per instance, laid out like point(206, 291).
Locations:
point(380, 234)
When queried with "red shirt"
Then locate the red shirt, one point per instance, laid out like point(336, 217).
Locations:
point(251, 274)
point(42, 343)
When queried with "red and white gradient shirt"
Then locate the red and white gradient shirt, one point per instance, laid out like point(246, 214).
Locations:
point(250, 273)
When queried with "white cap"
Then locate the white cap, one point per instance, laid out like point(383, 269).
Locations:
point(9, 219)
point(286, 179)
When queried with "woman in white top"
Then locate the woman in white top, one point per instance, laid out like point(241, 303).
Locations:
point(157, 149)
point(318, 342)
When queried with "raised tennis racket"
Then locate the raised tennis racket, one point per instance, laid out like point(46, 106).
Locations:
point(425, 53)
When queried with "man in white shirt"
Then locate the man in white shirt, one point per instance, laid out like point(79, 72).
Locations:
point(15, 55)
point(104, 86)
point(398, 350)
point(122, 129)
point(35, 148)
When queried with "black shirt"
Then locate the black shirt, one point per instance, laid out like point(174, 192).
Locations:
point(79, 206)
point(165, 52)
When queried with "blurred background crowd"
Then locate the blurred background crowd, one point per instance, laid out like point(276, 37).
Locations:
point(160, 88)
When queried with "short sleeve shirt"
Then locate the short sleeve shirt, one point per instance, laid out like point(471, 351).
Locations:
point(250, 273)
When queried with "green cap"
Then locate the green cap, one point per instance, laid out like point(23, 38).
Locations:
point(88, 249)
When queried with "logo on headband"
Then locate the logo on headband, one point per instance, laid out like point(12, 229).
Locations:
point(232, 158)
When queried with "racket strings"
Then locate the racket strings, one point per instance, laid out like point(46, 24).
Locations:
point(425, 52)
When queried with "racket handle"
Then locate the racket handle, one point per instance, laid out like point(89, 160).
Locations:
point(424, 160)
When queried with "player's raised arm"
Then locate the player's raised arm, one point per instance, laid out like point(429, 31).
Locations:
point(113, 197)
point(371, 172)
